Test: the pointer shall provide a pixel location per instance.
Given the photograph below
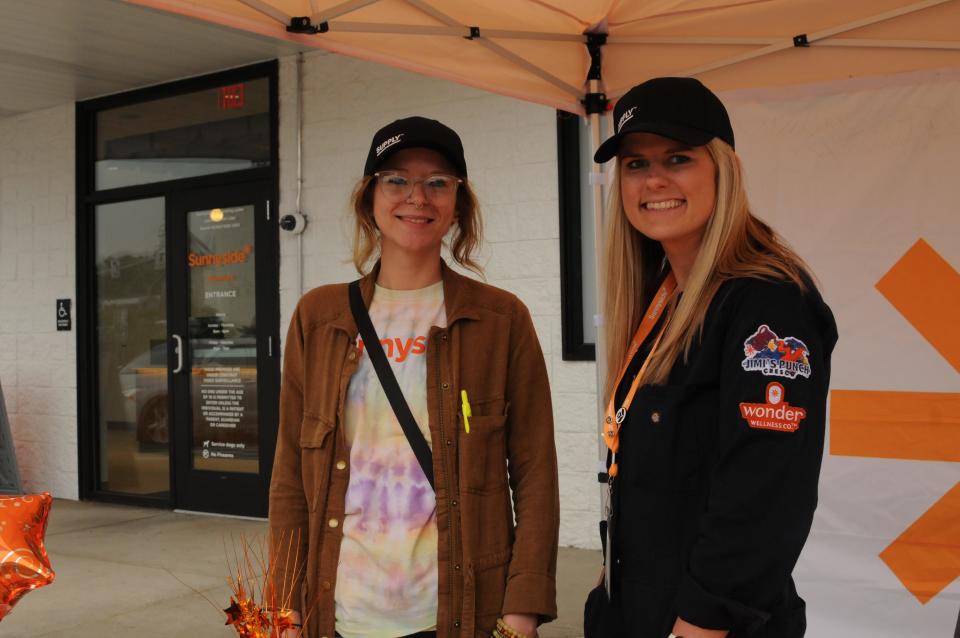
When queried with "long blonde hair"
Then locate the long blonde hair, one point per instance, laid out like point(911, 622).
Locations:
point(467, 235)
point(735, 244)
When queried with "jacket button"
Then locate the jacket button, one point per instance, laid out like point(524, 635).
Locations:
point(446, 385)
point(449, 442)
point(443, 336)
point(456, 623)
point(454, 504)
point(655, 417)
point(333, 522)
point(352, 355)
point(341, 465)
point(456, 567)
point(326, 585)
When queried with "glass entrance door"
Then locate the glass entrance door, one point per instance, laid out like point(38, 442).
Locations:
point(131, 313)
point(225, 361)
point(177, 305)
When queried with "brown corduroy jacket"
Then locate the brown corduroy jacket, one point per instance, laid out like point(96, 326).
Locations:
point(492, 560)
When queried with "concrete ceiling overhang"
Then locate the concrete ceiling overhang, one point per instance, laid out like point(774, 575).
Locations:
point(59, 51)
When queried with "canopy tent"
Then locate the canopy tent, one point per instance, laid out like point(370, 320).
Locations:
point(536, 50)
point(581, 56)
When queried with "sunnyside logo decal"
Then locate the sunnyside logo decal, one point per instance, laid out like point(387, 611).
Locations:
point(775, 414)
point(390, 141)
point(220, 259)
point(772, 356)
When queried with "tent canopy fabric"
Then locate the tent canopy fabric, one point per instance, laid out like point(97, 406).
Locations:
point(535, 50)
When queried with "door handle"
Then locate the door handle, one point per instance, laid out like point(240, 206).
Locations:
point(179, 350)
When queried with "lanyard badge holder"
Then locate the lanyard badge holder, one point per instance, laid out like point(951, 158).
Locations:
point(614, 418)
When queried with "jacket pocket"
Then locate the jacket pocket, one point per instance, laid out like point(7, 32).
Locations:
point(663, 439)
point(316, 449)
point(483, 453)
point(484, 587)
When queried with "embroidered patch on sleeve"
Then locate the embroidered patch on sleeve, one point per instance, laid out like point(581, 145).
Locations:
point(768, 354)
point(775, 414)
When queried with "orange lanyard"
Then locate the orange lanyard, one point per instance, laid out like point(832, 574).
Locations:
point(613, 420)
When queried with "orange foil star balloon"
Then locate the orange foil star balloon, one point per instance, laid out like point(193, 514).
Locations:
point(24, 564)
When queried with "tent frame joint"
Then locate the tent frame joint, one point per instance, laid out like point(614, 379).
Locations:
point(801, 41)
point(304, 26)
point(595, 43)
point(474, 34)
point(595, 103)
point(596, 39)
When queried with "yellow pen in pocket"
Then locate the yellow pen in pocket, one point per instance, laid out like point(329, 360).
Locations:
point(467, 413)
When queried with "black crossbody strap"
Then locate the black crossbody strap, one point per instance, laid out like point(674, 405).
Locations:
point(371, 343)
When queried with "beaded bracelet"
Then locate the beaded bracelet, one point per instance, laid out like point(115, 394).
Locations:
point(503, 630)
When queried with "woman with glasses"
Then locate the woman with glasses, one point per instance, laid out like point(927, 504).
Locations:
point(367, 539)
point(718, 347)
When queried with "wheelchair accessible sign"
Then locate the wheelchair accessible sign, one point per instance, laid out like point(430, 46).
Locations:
point(63, 315)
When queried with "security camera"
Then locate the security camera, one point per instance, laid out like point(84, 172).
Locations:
point(293, 223)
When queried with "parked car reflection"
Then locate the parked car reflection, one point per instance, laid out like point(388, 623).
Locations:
point(143, 382)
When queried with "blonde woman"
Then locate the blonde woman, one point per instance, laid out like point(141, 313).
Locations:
point(403, 511)
point(719, 361)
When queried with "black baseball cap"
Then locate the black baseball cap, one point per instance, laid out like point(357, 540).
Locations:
point(681, 109)
point(415, 132)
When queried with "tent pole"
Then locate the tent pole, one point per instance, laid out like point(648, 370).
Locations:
point(813, 38)
point(475, 33)
point(268, 10)
point(595, 105)
point(890, 44)
point(337, 11)
point(596, 180)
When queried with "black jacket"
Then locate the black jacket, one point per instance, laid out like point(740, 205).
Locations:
point(718, 470)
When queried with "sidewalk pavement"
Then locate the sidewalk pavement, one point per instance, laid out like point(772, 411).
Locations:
point(128, 571)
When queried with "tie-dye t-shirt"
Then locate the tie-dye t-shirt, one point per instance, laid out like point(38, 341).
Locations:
point(387, 575)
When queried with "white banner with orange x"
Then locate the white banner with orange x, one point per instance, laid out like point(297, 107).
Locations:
point(862, 177)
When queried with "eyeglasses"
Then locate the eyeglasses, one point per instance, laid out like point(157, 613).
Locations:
point(435, 188)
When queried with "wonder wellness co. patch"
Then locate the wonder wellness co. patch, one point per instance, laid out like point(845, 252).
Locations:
point(775, 414)
point(772, 356)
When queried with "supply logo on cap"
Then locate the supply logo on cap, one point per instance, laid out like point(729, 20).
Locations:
point(625, 117)
point(388, 143)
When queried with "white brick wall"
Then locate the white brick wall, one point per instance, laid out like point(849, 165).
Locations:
point(37, 363)
point(512, 158)
point(511, 153)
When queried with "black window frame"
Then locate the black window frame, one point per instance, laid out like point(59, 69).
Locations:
point(574, 347)
point(87, 198)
